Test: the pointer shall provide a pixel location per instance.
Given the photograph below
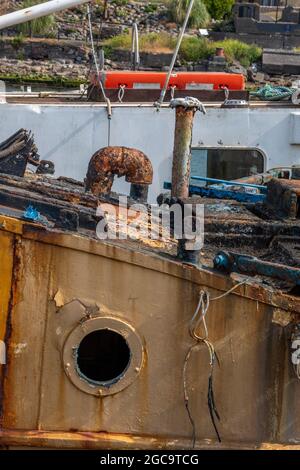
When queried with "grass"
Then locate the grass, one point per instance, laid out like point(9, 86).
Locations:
point(193, 49)
point(151, 42)
point(244, 53)
point(199, 17)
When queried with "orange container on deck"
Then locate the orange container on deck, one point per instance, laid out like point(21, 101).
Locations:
point(179, 80)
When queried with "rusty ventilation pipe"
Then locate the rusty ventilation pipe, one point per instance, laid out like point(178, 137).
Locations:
point(181, 169)
point(119, 161)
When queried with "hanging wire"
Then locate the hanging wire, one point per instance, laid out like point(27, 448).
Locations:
point(198, 320)
point(108, 103)
point(180, 37)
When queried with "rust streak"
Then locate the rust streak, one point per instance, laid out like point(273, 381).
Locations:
point(13, 300)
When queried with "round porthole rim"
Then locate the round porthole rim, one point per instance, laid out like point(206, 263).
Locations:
point(119, 326)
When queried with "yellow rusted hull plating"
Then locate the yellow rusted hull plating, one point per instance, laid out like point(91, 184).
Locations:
point(43, 275)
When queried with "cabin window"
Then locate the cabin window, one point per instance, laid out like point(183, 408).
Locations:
point(103, 356)
point(225, 163)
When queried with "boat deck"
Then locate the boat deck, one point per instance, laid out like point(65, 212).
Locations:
point(62, 205)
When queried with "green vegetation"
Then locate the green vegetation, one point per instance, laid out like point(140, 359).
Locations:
point(150, 8)
point(17, 41)
point(199, 17)
point(156, 42)
point(244, 53)
point(193, 49)
point(219, 8)
point(45, 79)
point(38, 26)
point(120, 3)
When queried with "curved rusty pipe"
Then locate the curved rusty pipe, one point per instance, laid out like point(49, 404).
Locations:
point(119, 161)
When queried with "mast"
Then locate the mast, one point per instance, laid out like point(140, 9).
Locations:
point(37, 11)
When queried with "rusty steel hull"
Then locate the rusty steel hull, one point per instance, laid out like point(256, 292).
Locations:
point(255, 388)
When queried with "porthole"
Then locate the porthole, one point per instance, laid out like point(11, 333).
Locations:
point(102, 356)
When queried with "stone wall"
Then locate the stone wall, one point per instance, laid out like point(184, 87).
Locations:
point(281, 62)
point(249, 25)
point(45, 49)
point(57, 60)
point(274, 40)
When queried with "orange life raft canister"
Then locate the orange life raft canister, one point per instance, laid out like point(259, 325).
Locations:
point(179, 80)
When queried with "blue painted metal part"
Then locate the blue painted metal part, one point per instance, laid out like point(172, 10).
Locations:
point(223, 194)
point(263, 189)
point(31, 213)
point(221, 262)
point(234, 262)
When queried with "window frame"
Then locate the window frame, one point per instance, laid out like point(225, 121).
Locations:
point(231, 147)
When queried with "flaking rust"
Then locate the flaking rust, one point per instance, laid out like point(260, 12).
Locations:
point(117, 161)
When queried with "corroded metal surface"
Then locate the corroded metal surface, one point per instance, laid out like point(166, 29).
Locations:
point(58, 281)
point(282, 197)
point(109, 441)
point(255, 388)
point(16, 152)
point(181, 168)
point(117, 161)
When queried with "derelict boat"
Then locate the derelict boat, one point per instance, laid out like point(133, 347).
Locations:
point(146, 343)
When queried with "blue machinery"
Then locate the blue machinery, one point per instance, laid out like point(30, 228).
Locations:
point(221, 193)
point(234, 262)
point(228, 262)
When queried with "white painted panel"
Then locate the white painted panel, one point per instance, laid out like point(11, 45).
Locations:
point(146, 86)
point(295, 128)
point(70, 134)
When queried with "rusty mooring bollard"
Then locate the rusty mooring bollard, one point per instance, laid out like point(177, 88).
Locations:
point(181, 168)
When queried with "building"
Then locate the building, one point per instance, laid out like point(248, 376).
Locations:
point(267, 16)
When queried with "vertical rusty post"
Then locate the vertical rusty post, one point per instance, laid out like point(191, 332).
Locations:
point(186, 108)
point(139, 192)
point(181, 168)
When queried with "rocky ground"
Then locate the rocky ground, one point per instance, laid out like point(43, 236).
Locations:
point(120, 15)
point(63, 72)
point(66, 54)
point(72, 26)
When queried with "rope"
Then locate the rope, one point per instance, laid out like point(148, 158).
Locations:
point(273, 93)
point(165, 87)
point(173, 88)
point(198, 319)
point(121, 93)
point(226, 92)
point(108, 103)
